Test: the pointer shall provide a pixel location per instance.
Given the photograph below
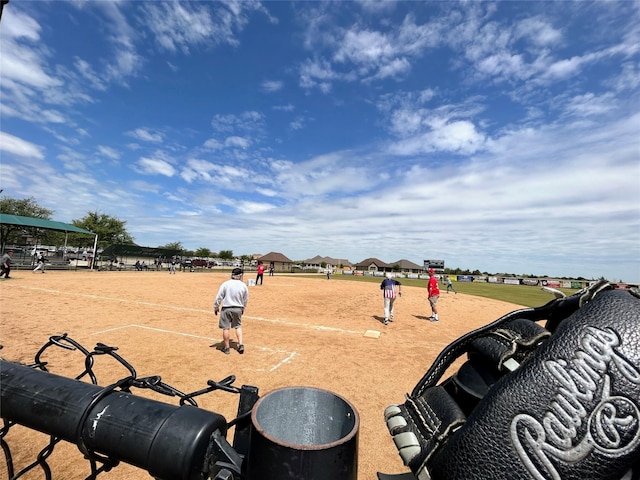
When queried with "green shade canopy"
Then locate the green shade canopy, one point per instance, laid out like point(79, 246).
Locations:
point(6, 219)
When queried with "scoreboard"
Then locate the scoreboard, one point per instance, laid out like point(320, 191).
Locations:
point(435, 264)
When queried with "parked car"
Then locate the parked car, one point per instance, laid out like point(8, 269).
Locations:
point(201, 263)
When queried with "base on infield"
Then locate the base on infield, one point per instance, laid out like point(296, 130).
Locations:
point(372, 334)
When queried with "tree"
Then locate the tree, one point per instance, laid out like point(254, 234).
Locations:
point(110, 230)
point(27, 207)
point(203, 252)
point(226, 254)
point(173, 246)
point(179, 247)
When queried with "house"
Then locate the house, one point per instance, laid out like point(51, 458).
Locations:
point(373, 265)
point(333, 263)
point(407, 266)
point(280, 262)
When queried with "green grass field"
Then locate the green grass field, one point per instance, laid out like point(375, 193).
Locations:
point(519, 294)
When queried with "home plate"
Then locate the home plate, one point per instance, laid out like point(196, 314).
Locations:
point(372, 334)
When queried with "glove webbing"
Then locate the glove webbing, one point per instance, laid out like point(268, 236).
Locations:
point(554, 311)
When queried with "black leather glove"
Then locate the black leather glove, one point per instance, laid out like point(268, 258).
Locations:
point(531, 402)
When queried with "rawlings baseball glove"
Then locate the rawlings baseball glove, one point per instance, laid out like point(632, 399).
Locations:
point(545, 393)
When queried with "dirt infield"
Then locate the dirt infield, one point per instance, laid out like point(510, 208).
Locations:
point(297, 332)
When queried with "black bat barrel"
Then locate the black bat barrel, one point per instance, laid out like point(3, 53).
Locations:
point(302, 433)
point(168, 441)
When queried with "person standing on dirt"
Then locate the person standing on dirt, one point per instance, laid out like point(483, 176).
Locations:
point(433, 294)
point(260, 274)
point(391, 288)
point(6, 261)
point(40, 263)
point(230, 302)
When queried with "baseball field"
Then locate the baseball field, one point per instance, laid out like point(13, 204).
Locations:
point(298, 331)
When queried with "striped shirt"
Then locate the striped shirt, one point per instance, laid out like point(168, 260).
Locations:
point(389, 287)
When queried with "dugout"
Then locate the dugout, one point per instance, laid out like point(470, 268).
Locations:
point(127, 255)
point(10, 223)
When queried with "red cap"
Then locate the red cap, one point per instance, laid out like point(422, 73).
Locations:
point(431, 270)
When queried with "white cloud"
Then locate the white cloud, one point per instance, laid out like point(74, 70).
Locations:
point(539, 31)
point(364, 47)
point(458, 136)
point(322, 175)
point(223, 176)
point(18, 25)
point(248, 121)
point(317, 73)
point(213, 144)
point(23, 62)
point(365, 53)
point(108, 152)
point(155, 166)
point(376, 6)
point(145, 135)
point(297, 124)
point(178, 26)
point(253, 207)
point(237, 142)
point(272, 85)
point(589, 104)
point(124, 62)
point(284, 108)
point(17, 146)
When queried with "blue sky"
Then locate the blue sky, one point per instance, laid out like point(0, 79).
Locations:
point(503, 136)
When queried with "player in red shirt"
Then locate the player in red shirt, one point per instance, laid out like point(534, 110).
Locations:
point(433, 294)
point(260, 274)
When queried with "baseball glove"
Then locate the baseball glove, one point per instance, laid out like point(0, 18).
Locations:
point(545, 393)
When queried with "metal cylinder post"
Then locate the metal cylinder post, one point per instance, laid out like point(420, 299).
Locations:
point(302, 433)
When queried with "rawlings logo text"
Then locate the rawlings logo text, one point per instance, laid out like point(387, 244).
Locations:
point(582, 403)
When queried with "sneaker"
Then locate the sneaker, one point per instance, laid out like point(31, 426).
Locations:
point(240, 349)
point(386, 322)
point(225, 350)
point(391, 319)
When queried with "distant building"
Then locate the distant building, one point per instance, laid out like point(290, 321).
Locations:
point(407, 266)
point(333, 263)
point(280, 262)
point(373, 265)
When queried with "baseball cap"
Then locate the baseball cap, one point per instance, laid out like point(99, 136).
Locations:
point(389, 275)
point(236, 272)
point(431, 270)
